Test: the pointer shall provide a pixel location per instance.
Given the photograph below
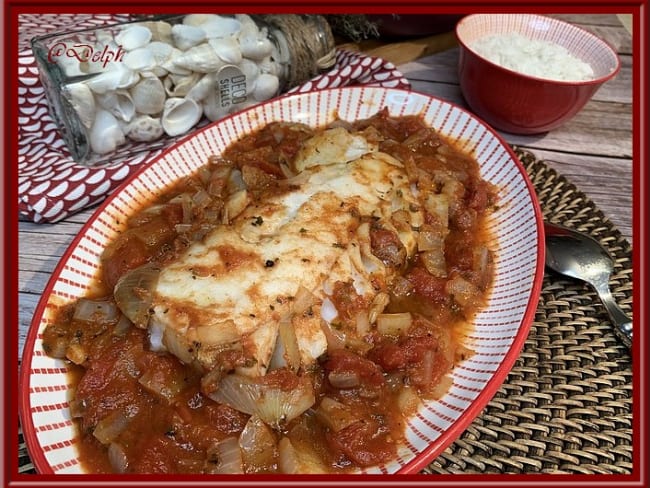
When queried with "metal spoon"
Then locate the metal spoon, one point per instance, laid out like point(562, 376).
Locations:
point(580, 256)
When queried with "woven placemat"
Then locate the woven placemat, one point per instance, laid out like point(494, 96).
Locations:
point(566, 406)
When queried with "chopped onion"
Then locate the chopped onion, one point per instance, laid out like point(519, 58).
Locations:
point(201, 199)
point(259, 446)
point(328, 311)
point(122, 327)
point(435, 263)
point(96, 311)
point(226, 457)
point(442, 387)
point(165, 387)
point(344, 379)
point(426, 373)
point(437, 205)
point(463, 291)
point(394, 324)
point(334, 338)
point(303, 300)
point(133, 293)
point(363, 324)
point(76, 353)
point(110, 427)
point(408, 400)
point(272, 404)
point(117, 458)
point(295, 461)
point(377, 306)
point(335, 415)
point(287, 335)
point(235, 205)
point(182, 228)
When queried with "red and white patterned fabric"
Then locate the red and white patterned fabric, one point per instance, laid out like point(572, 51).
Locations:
point(52, 186)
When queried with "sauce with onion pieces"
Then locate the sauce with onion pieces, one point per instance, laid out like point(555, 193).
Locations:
point(141, 406)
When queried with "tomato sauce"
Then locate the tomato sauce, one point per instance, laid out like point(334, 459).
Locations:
point(140, 411)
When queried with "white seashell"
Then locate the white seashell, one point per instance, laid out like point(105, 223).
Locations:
point(139, 59)
point(180, 115)
point(144, 128)
point(255, 47)
point(148, 95)
point(170, 65)
point(251, 71)
point(220, 27)
point(266, 86)
point(212, 109)
point(268, 65)
point(105, 134)
point(161, 54)
point(203, 87)
point(161, 51)
point(227, 48)
point(180, 85)
point(187, 36)
point(119, 103)
point(161, 31)
point(104, 36)
point(201, 58)
point(133, 37)
point(70, 66)
point(197, 19)
point(83, 102)
point(248, 25)
point(117, 76)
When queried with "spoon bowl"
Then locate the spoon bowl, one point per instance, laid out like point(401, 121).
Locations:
point(582, 257)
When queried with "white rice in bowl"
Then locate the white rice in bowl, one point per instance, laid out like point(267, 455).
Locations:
point(533, 57)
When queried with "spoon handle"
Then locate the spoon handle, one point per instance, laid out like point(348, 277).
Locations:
point(622, 323)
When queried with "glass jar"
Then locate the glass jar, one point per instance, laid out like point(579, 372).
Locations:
point(133, 86)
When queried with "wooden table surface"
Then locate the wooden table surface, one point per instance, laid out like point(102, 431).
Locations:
point(594, 151)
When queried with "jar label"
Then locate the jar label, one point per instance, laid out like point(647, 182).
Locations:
point(231, 86)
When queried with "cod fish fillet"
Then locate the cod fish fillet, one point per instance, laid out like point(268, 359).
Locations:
point(235, 287)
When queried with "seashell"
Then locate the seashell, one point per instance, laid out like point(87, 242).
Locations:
point(221, 27)
point(133, 37)
point(144, 128)
point(104, 36)
point(83, 102)
point(251, 71)
point(268, 65)
point(227, 48)
point(266, 86)
point(202, 58)
point(170, 66)
point(161, 53)
point(139, 59)
point(180, 85)
point(148, 95)
point(180, 115)
point(105, 134)
point(212, 108)
point(70, 66)
point(197, 19)
point(187, 36)
point(119, 103)
point(202, 88)
point(113, 78)
point(255, 47)
point(161, 31)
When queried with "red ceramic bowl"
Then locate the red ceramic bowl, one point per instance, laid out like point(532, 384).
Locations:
point(521, 104)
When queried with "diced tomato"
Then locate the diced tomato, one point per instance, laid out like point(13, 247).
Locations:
point(364, 442)
point(426, 285)
point(344, 361)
